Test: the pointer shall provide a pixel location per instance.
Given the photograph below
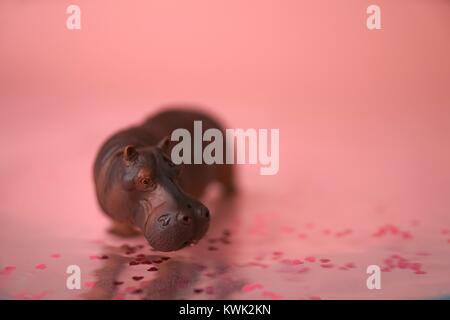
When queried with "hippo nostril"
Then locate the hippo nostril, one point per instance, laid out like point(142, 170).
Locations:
point(204, 212)
point(184, 218)
point(189, 206)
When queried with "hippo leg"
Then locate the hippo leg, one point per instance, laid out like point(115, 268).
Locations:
point(125, 230)
point(226, 178)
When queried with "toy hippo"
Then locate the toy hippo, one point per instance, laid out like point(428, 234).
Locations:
point(139, 187)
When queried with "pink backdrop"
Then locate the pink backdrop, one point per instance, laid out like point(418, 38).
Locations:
point(364, 119)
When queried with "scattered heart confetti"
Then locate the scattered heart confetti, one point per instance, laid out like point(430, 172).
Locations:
point(30, 296)
point(41, 266)
point(350, 265)
point(251, 286)
point(271, 295)
point(209, 290)
point(7, 270)
point(137, 291)
point(303, 270)
point(89, 284)
point(344, 233)
point(292, 262)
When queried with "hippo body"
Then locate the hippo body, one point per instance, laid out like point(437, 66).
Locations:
point(138, 185)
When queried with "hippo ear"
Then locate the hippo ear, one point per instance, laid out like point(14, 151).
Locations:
point(130, 153)
point(164, 144)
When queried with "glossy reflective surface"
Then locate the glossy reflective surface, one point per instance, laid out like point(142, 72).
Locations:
point(364, 147)
point(309, 232)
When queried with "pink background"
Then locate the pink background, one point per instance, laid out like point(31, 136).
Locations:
point(364, 119)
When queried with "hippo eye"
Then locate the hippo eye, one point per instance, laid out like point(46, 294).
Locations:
point(146, 184)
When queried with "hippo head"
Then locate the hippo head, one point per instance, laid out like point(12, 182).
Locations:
point(169, 218)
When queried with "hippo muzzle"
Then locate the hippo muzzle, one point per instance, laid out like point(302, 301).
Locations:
point(173, 221)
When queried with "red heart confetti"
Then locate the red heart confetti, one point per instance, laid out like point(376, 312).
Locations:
point(41, 266)
point(271, 295)
point(7, 270)
point(251, 286)
point(89, 284)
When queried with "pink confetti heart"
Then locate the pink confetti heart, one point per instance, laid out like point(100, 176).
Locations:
point(303, 270)
point(415, 266)
point(350, 265)
point(55, 255)
point(271, 295)
point(7, 270)
point(89, 284)
point(41, 266)
point(251, 286)
point(257, 264)
point(30, 296)
point(420, 272)
point(344, 233)
point(287, 229)
point(277, 255)
point(407, 235)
